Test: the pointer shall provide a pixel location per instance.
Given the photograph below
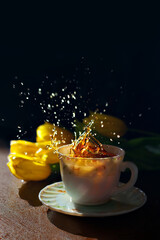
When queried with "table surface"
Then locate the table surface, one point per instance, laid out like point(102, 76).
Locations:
point(23, 217)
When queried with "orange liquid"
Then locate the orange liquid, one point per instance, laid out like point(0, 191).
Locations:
point(88, 146)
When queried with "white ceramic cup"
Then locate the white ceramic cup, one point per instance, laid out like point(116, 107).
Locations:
point(92, 181)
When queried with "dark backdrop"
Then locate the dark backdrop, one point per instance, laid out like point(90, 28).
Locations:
point(108, 53)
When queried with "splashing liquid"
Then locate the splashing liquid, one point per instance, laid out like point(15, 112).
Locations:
point(88, 146)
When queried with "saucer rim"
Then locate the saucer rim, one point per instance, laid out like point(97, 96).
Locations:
point(105, 214)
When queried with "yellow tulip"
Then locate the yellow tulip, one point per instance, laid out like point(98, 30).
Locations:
point(38, 149)
point(27, 168)
point(49, 155)
point(46, 130)
point(30, 148)
point(30, 160)
point(107, 125)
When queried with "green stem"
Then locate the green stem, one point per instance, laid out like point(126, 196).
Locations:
point(143, 132)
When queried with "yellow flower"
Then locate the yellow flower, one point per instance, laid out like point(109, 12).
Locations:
point(22, 146)
point(107, 125)
point(38, 149)
point(48, 155)
point(30, 160)
point(27, 168)
point(46, 130)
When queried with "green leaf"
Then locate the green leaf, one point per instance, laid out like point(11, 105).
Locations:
point(55, 168)
point(144, 152)
point(79, 127)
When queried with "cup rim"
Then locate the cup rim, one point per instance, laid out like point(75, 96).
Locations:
point(118, 155)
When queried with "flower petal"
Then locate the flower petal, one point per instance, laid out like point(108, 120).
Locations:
point(28, 170)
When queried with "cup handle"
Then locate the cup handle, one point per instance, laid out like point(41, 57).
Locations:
point(134, 174)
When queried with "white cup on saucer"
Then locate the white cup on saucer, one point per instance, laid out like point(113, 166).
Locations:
point(93, 181)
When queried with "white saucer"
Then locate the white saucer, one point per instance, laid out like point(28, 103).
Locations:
point(55, 197)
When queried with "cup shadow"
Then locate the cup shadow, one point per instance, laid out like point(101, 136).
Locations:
point(113, 228)
point(29, 191)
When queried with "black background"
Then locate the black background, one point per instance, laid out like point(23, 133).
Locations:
point(111, 50)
